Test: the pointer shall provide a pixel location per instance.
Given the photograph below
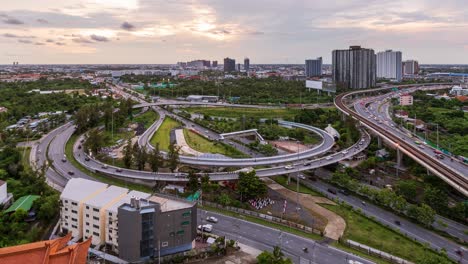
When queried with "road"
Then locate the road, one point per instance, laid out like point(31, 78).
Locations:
point(265, 238)
point(436, 166)
point(388, 218)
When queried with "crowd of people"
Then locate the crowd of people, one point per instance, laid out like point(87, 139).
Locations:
point(260, 203)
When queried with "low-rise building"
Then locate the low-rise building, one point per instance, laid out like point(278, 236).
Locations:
point(135, 225)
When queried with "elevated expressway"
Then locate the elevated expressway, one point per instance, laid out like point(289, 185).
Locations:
point(451, 174)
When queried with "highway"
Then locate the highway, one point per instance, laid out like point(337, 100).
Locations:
point(405, 145)
point(265, 238)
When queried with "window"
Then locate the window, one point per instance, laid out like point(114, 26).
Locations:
point(87, 223)
point(110, 214)
point(95, 233)
point(87, 231)
point(171, 234)
point(164, 244)
point(87, 215)
point(186, 223)
point(74, 226)
point(187, 214)
point(66, 209)
point(66, 217)
point(73, 211)
point(74, 219)
point(66, 201)
point(96, 226)
point(95, 210)
point(180, 232)
point(87, 207)
point(96, 218)
point(73, 203)
point(66, 224)
point(110, 231)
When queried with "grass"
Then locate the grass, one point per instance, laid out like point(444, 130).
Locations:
point(25, 154)
point(100, 177)
point(232, 112)
point(293, 186)
point(147, 118)
point(204, 145)
point(366, 231)
point(163, 134)
point(360, 253)
point(263, 222)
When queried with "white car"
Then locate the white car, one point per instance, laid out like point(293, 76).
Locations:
point(212, 219)
point(344, 152)
point(328, 158)
point(301, 176)
point(206, 228)
point(288, 167)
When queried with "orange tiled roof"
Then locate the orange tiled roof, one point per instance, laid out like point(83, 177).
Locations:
point(46, 252)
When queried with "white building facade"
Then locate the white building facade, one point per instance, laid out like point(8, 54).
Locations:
point(389, 65)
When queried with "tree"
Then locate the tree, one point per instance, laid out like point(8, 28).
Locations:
point(436, 199)
point(425, 214)
point(192, 184)
point(250, 186)
point(48, 207)
point(224, 199)
point(407, 188)
point(94, 141)
point(275, 257)
point(140, 157)
point(155, 159)
point(173, 156)
point(128, 154)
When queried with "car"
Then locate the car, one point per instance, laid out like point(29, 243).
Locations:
point(344, 152)
point(79, 146)
point(398, 223)
point(64, 160)
point(421, 146)
point(105, 166)
point(86, 159)
point(307, 163)
point(118, 170)
point(331, 190)
point(344, 192)
point(71, 173)
point(288, 167)
point(350, 261)
point(328, 157)
point(212, 219)
point(301, 176)
point(206, 228)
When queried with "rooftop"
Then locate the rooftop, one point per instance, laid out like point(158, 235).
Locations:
point(24, 203)
point(169, 204)
point(126, 199)
point(2, 182)
point(78, 189)
point(107, 196)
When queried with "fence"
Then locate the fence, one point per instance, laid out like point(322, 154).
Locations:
point(375, 252)
point(269, 218)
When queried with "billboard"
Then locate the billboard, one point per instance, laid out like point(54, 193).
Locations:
point(321, 85)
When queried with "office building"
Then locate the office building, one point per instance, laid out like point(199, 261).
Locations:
point(406, 99)
point(389, 65)
point(135, 225)
point(456, 90)
point(229, 65)
point(313, 68)
point(246, 64)
point(410, 67)
point(214, 64)
point(354, 68)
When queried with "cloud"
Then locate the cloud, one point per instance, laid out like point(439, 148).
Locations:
point(50, 41)
point(60, 44)
point(10, 35)
point(99, 38)
point(80, 39)
point(25, 41)
point(12, 21)
point(39, 44)
point(42, 21)
point(127, 26)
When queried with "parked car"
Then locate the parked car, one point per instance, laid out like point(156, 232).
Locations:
point(330, 190)
point(212, 219)
point(206, 228)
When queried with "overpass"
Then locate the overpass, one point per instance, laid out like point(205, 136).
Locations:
point(453, 177)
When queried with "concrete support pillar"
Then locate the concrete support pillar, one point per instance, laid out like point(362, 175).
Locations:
point(379, 141)
point(289, 179)
point(399, 157)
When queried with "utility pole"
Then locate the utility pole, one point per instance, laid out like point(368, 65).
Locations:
point(437, 135)
point(297, 193)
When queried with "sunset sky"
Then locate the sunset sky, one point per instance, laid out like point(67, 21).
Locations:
point(266, 31)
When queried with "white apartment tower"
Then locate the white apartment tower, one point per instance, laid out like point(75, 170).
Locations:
point(389, 65)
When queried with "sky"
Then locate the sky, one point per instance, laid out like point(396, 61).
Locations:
point(266, 31)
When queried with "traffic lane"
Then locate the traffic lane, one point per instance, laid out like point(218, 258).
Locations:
point(265, 238)
point(388, 218)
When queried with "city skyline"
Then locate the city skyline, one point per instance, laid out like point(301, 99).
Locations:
point(147, 32)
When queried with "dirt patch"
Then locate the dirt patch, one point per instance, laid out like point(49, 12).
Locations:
point(335, 225)
point(289, 146)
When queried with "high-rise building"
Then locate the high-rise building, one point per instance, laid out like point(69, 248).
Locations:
point(410, 67)
point(246, 64)
point(229, 65)
point(354, 68)
point(389, 65)
point(214, 64)
point(313, 68)
point(238, 66)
